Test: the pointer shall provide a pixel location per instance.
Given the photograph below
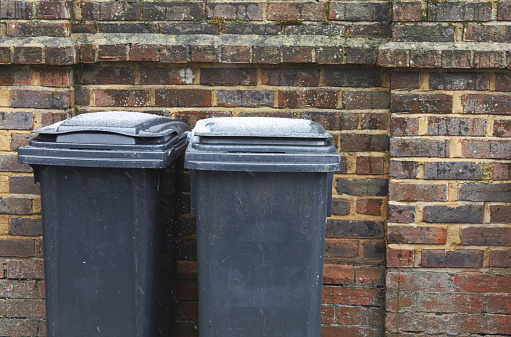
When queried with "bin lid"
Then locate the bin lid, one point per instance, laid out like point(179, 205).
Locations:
point(261, 144)
point(108, 139)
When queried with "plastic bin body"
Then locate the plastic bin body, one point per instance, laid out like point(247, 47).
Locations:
point(108, 232)
point(261, 215)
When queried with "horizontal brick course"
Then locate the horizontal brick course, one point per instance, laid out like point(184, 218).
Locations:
point(461, 258)
point(456, 214)
point(486, 236)
point(453, 170)
point(354, 229)
point(416, 234)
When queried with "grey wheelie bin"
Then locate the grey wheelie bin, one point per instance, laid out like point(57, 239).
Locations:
point(109, 189)
point(261, 191)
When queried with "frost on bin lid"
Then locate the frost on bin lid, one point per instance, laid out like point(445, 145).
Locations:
point(259, 127)
point(128, 123)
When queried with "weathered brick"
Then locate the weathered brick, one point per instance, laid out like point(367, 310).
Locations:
point(459, 11)
point(297, 54)
point(502, 128)
point(486, 59)
point(106, 75)
point(340, 206)
point(353, 100)
point(113, 52)
point(456, 126)
point(333, 120)
point(414, 33)
point(362, 187)
point(406, 11)
point(374, 250)
point(392, 57)
point(303, 11)
point(23, 185)
point(303, 77)
point(39, 99)
point(9, 163)
point(351, 296)
point(369, 206)
point(236, 54)
point(419, 104)
point(371, 30)
point(23, 308)
point(459, 81)
point(456, 58)
point(25, 226)
point(487, 33)
point(400, 258)
point(418, 280)
point(251, 29)
point(351, 315)
point(88, 53)
point(27, 55)
point(182, 97)
point(228, 76)
point(329, 55)
point(20, 289)
point(352, 78)
point(158, 75)
point(121, 97)
point(245, 98)
point(338, 274)
point(356, 11)
point(325, 98)
point(79, 28)
point(17, 248)
point(267, 54)
point(453, 170)
point(19, 139)
point(329, 30)
point(360, 55)
point(144, 52)
point(38, 29)
point(351, 142)
point(482, 283)
point(404, 126)
point(401, 213)
point(423, 58)
point(173, 11)
point(458, 214)
point(18, 327)
point(55, 78)
point(497, 149)
point(485, 236)
point(82, 97)
point(175, 54)
point(403, 169)
point(417, 192)
point(419, 148)
point(500, 213)
point(205, 53)
point(16, 9)
point(499, 304)
point(111, 11)
point(404, 80)
point(374, 121)
point(485, 192)
point(14, 76)
point(60, 55)
point(501, 171)
point(340, 249)
point(236, 11)
point(416, 234)
point(461, 258)
point(188, 28)
point(16, 120)
point(370, 165)
point(500, 258)
point(53, 10)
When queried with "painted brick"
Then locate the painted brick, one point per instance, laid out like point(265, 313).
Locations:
point(235, 11)
point(338, 274)
point(453, 170)
point(340, 249)
point(485, 192)
point(245, 98)
point(496, 149)
point(417, 192)
point(401, 213)
point(486, 236)
point(364, 142)
point(502, 128)
point(402, 147)
point(371, 11)
point(500, 213)
point(416, 234)
point(341, 206)
point(352, 229)
point(228, 76)
point(404, 80)
point(459, 81)
point(303, 77)
point(486, 104)
point(106, 75)
point(400, 258)
point(462, 11)
point(121, 97)
point(326, 98)
point(403, 169)
point(25, 226)
point(404, 126)
point(461, 258)
point(456, 126)
point(362, 187)
point(374, 250)
point(406, 11)
point(500, 258)
point(370, 165)
point(419, 104)
point(16, 248)
point(414, 33)
point(352, 78)
point(182, 97)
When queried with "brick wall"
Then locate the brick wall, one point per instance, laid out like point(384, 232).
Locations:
point(415, 93)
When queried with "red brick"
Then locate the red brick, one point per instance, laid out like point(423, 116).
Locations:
point(419, 147)
point(369, 275)
point(419, 280)
point(302, 11)
point(501, 171)
point(245, 98)
point(325, 98)
point(370, 165)
point(502, 128)
point(421, 58)
point(498, 304)
point(121, 97)
point(107, 75)
point(370, 11)
point(25, 269)
point(404, 79)
point(486, 104)
point(400, 258)
point(191, 117)
point(27, 55)
point(469, 303)
point(205, 53)
point(267, 55)
point(416, 234)
point(352, 142)
point(403, 169)
point(504, 11)
point(327, 314)
point(352, 78)
point(352, 315)
point(489, 59)
point(186, 291)
point(456, 59)
point(374, 121)
point(144, 52)
point(482, 283)
point(173, 11)
point(185, 329)
point(340, 249)
point(354, 100)
point(297, 54)
point(459, 11)
point(407, 11)
point(53, 10)
point(20, 289)
point(360, 55)
point(456, 126)
point(351, 296)
point(392, 58)
point(498, 192)
point(19, 139)
point(235, 11)
point(431, 302)
point(419, 104)
point(88, 53)
point(60, 55)
point(491, 149)
point(329, 55)
point(486, 236)
point(338, 274)
point(188, 311)
point(228, 76)
point(55, 78)
point(349, 331)
point(417, 192)
point(111, 11)
point(182, 97)
point(500, 213)
point(369, 206)
point(40, 99)
point(401, 213)
point(5, 55)
point(18, 327)
point(302, 77)
point(500, 258)
point(17, 248)
point(459, 81)
point(175, 54)
point(236, 54)
point(374, 250)
point(404, 126)
point(461, 258)
point(33, 29)
point(113, 52)
point(13, 76)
